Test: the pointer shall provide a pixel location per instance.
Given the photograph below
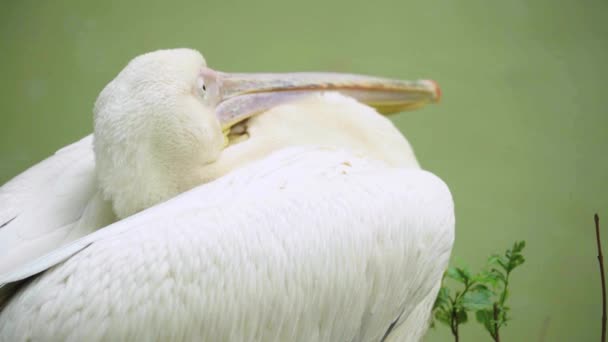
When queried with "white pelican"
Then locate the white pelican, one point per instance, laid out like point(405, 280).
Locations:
point(310, 222)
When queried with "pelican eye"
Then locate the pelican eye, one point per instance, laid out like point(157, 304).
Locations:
point(201, 86)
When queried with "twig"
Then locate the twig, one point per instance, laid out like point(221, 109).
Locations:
point(454, 325)
point(600, 258)
point(496, 335)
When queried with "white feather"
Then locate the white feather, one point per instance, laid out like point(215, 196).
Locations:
point(307, 244)
point(50, 204)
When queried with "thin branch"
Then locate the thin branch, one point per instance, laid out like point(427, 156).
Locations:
point(496, 335)
point(600, 258)
point(454, 325)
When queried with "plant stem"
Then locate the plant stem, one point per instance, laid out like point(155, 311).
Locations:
point(454, 324)
point(600, 258)
point(496, 335)
point(454, 316)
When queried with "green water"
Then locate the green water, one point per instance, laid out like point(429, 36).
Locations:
point(520, 136)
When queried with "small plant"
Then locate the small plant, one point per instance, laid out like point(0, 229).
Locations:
point(484, 293)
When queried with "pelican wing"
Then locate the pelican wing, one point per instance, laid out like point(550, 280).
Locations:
point(307, 244)
point(43, 208)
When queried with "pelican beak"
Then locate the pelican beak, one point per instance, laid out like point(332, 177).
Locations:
point(240, 96)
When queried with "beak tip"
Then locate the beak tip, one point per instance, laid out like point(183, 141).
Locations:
point(436, 90)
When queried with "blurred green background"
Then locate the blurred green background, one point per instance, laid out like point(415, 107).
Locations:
point(520, 136)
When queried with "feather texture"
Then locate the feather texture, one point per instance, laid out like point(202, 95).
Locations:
point(306, 244)
point(49, 205)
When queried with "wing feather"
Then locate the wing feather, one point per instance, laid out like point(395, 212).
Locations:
point(49, 205)
point(307, 244)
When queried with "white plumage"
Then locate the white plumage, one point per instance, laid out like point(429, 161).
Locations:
point(54, 202)
point(345, 240)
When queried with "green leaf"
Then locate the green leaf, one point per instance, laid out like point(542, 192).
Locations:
point(515, 261)
point(461, 316)
point(503, 262)
point(443, 299)
point(481, 287)
point(461, 275)
point(443, 317)
point(488, 278)
point(514, 256)
point(500, 260)
point(477, 299)
point(493, 259)
point(486, 318)
point(518, 247)
point(498, 275)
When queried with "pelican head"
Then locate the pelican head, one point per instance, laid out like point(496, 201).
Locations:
point(165, 117)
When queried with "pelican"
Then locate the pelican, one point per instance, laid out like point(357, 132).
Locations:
point(228, 207)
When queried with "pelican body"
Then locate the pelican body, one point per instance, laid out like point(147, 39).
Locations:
point(228, 207)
